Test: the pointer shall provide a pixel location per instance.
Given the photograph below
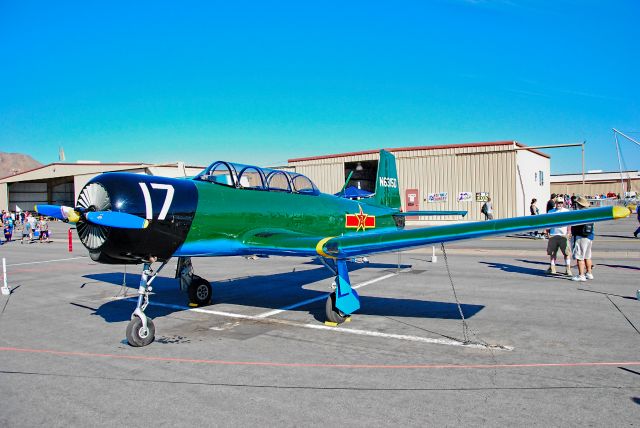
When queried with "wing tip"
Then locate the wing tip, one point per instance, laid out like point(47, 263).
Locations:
point(620, 212)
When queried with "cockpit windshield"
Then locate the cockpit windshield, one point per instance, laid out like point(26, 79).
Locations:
point(255, 178)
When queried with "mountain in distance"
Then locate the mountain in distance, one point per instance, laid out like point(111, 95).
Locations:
point(14, 163)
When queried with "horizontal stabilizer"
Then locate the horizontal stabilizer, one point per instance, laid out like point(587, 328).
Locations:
point(431, 213)
point(116, 219)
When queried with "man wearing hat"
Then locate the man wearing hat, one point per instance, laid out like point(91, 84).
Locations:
point(582, 242)
point(559, 240)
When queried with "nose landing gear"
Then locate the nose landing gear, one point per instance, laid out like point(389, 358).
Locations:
point(140, 330)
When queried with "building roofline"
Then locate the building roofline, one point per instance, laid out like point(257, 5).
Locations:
point(594, 173)
point(404, 149)
point(125, 164)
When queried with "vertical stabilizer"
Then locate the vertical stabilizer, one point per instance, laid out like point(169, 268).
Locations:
point(387, 186)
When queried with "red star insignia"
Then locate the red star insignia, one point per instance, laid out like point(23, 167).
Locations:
point(360, 221)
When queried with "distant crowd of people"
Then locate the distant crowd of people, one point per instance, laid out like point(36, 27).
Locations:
point(609, 195)
point(32, 229)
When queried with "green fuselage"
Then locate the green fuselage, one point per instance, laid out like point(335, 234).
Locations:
point(226, 214)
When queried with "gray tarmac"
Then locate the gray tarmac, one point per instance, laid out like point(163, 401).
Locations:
point(560, 353)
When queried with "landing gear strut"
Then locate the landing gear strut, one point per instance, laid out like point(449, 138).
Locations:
point(140, 330)
point(198, 289)
point(344, 300)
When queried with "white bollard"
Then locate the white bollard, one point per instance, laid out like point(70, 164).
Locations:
point(5, 290)
point(434, 258)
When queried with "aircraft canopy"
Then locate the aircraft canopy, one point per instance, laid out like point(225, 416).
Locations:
point(256, 178)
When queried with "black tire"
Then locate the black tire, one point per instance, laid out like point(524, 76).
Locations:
point(135, 334)
point(333, 314)
point(200, 291)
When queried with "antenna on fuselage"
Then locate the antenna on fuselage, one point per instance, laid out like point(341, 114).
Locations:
point(345, 183)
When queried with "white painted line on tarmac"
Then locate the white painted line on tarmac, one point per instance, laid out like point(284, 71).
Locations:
point(342, 329)
point(48, 261)
point(324, 296)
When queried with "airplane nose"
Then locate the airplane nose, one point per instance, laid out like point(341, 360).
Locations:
point(166, 206)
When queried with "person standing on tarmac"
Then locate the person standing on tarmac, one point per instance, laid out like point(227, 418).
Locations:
point(533, 210)
point(487, 209)
point(26, 232)
point(551, 203)
point(44, 229)
point(582, 242)
point(559, 240)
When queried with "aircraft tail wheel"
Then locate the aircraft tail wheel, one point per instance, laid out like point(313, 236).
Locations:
point(137, 335)
point(333, 313)
point(200, 291)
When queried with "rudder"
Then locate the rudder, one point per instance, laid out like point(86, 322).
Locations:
point(387, 186)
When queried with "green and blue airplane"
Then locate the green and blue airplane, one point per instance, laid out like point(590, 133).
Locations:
point(232, 209)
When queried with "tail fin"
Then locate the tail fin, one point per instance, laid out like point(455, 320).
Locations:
point(387, 186)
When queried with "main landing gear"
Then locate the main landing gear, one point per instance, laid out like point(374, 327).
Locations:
point(140, 330)
point(344, 300)
point(198, 289)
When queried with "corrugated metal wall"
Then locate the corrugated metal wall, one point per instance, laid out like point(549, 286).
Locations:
point(462, 169)
point(591, 188)
point(456, 170)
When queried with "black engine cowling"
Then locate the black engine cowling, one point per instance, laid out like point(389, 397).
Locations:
point(168, 203)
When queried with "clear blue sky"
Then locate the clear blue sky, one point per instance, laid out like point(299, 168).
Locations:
point(261, 82)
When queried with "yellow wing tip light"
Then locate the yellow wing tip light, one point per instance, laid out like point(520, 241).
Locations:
point(320, 247)
point(620, 212)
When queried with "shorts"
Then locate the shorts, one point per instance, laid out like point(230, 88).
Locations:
point(582, 248)
point(558, 242)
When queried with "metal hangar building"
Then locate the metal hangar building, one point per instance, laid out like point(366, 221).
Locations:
point(449, 177)
point(597, 183)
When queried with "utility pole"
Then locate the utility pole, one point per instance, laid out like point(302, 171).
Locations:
point(583, 185)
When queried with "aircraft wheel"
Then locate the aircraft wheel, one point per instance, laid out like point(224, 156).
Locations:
point(333, 313)
point(137, 335)
point(200, 291)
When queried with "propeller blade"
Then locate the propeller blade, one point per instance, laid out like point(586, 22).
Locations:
point(59, 211)
point(116, 219)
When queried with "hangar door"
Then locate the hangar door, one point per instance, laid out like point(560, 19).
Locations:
point(364, 174)
point(26, 195)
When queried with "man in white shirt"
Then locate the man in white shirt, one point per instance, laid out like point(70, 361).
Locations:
point(559, 240)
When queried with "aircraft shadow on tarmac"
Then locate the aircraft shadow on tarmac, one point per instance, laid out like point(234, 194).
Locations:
point(268, 292)
point(619, 266)
point(534, 262)
point(520, 269)
point(630, 236)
